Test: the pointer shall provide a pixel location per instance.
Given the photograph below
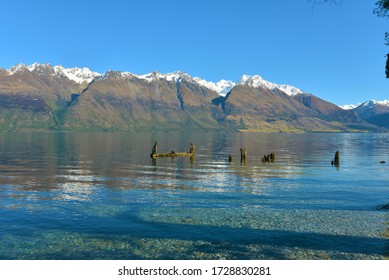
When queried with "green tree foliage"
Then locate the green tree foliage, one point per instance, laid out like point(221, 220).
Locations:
point(382, 10)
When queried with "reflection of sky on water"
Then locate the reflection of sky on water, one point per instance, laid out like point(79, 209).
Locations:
point(91, 187)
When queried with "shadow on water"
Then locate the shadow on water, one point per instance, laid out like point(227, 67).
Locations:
point(238, 237)
point(213, 240)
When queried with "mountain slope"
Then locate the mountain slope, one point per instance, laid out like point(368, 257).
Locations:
point(125, 101)
point(261, 109)
point(381, 120)
point(33, 97)
point(329, 111)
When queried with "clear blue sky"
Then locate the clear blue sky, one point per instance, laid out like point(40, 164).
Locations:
point(336, 53)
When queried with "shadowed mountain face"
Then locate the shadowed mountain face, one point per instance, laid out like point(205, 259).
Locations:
point(381, 120)
point(46, 97)
point(329, 111)
point(118, 101)
point(274, 110)
point(33, 99)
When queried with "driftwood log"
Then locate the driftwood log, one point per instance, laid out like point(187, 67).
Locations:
point(155, 154)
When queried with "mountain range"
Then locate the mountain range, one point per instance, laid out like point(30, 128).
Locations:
point(45, 97)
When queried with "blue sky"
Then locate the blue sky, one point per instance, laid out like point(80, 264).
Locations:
point(334, 52)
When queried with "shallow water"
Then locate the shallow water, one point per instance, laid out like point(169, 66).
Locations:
point(100, 196)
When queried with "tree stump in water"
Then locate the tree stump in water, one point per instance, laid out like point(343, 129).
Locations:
point(192, 148)
point(336, 160)
point(243, 153)
point(154, 150)
point(269, 158)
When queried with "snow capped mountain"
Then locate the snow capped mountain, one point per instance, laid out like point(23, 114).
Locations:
point(369, 109)
point(350, 106)
point(373, 103)
point(258, 82)
point(366, 105)
point(85, 75)
point(17, 68)
point(178, 100)
point(289, 90)
point(255, 82)
point(170, 77)
point(222, 86)
point(78, 75)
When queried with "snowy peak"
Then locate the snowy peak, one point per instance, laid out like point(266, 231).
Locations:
point(290, 90)
point(350, 106)
point(255, 82)
point(78, 75)
point(85, 75)
point(258, 82)
point(222, 86)
point(170, 77)
point(17, 68)
point(374, 103)
point(117, 74)
point(366, 105)
point(369, 109)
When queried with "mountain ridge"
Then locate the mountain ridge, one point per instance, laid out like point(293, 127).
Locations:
point(81, 75)
point(41, 96)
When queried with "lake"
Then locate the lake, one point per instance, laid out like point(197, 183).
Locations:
point(100, 196)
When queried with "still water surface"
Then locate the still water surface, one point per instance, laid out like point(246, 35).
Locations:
point(100, 196)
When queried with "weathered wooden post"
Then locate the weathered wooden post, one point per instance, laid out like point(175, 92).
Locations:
point(155, 148)
point(243, 153)
point(192, 149)
point(336, 160)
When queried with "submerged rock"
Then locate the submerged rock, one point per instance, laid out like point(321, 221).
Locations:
point(383, 207)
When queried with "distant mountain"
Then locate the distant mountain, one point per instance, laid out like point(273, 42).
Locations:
point(41, 96)
point(329, 111)
point(372, 108)
point(373, 112)
point(350, 106)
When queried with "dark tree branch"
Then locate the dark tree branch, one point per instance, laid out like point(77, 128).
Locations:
point(387, 66)
point(382, 8)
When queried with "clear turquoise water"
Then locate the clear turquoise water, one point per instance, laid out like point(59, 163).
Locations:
point(100, 196)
